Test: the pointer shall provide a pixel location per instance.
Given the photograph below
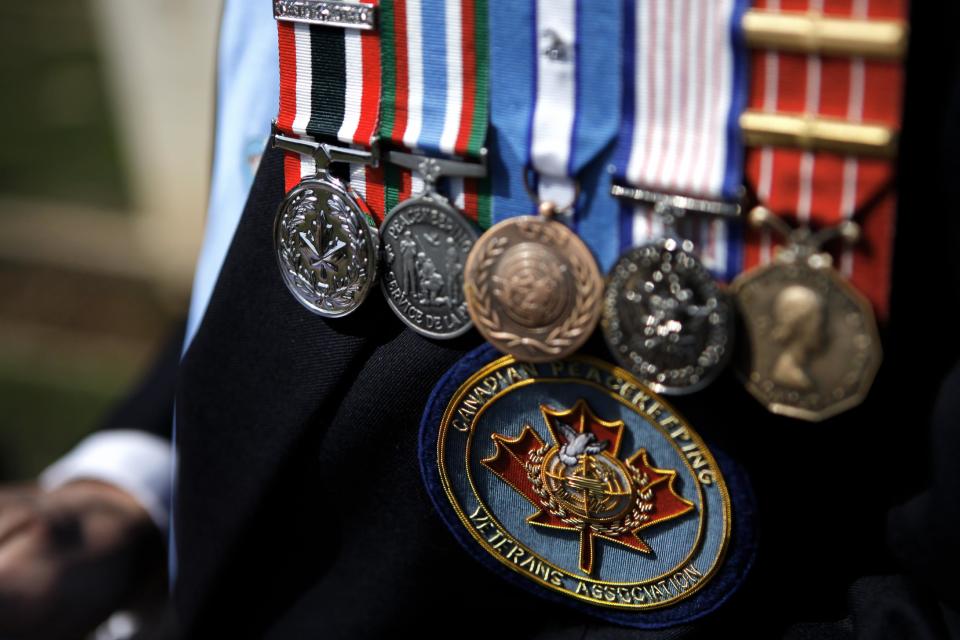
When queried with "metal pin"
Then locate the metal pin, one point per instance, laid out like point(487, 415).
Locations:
point(346, 15)
point(817, 133)
point(676, 202)
point(815, 33)
point(323, 153)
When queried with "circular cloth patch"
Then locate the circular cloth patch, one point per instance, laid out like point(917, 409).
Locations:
point(574, 480)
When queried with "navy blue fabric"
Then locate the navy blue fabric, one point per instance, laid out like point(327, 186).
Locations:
point(722, 586)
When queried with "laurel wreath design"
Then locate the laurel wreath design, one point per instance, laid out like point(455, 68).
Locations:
point(639, 513)
point(578, 322)
point(339, 291)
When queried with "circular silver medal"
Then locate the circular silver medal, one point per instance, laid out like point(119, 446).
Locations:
point(425, 246)
point(327, 247)
point(666, 319)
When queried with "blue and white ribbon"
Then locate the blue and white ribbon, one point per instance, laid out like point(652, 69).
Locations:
point(555, 109)
point(684, 76)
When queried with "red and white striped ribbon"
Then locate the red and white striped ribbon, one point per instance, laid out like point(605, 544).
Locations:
point(820, 188)
point(687, 91)
point(329, 87)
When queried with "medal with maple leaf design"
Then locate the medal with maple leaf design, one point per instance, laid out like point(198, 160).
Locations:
point(326, 246)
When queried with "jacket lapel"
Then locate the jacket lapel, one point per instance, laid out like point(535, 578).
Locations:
point(258, 368)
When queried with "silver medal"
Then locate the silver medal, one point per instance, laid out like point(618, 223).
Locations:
point(426, 241)
point(425, 245)
point(326, 244)
point(665, 318)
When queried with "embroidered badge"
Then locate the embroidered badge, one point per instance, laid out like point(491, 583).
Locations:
point(573, 479)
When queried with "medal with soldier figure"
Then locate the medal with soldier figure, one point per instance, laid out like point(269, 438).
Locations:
point(425, 245)
point(434, 118)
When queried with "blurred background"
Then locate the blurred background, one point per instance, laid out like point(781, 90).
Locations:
point(105, 142)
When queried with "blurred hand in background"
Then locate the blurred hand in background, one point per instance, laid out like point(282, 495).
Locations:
point(97, 245)
point(71, 556)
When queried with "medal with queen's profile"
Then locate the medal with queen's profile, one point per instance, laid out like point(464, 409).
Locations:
point(812, 347)
point(573, 480)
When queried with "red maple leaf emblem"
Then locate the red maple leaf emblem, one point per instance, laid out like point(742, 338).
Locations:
point(578, 482)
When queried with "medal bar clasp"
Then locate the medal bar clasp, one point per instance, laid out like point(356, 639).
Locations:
point(664, 202)
point(432, 169)
point(438, 167)
point(817, 133)
point(323, 153)
point(347, 15)
point(814, 33)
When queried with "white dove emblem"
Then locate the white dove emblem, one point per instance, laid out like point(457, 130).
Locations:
point(576, 444)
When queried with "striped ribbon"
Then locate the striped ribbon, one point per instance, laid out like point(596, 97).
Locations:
point(435, 92)
point(555, 107)
point(803, 186)
point(330, 89)
point(684, 77)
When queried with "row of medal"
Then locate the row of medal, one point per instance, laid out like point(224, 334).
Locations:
point(532, 288)
point(568, 475)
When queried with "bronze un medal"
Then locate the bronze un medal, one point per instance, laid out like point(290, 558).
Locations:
point(533, 288)
point(425, 246)
point(665, 318)
point(326, 247)
point(812, 346)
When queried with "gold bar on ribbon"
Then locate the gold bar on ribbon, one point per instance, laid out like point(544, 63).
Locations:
point(815, 33)
point(817, 134)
